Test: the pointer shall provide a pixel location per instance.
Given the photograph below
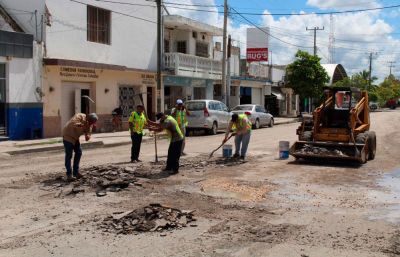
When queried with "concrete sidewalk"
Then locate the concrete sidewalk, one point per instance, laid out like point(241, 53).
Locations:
point(97, 140)
point(52, 144)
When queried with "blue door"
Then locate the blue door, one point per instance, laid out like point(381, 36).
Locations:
point(245, 95)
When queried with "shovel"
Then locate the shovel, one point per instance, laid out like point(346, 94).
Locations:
point(211, 154)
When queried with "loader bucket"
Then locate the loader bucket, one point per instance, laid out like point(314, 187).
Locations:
point(329, 151)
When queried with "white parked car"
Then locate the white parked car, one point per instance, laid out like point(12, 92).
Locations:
point(209, 115)
point(257, 114)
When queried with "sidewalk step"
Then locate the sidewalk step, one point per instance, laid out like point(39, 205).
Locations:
point(4, 138)
point(54, 148)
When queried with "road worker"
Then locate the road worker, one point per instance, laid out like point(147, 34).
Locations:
point(169, 124)
point(137, 122)
point(241, 127)
point(180, 113)
point(78, 125)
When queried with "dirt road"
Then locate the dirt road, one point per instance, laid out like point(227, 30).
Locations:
point(261, 207)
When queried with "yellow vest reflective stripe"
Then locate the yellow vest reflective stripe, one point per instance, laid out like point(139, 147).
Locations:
point(138, 122)
point(181, 118)
point(171, 119)
point(242, 123)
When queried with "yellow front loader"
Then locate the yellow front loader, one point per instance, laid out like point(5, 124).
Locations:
point(338, 129)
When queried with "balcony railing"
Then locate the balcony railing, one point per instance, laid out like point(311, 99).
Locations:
point(193, 66)
point(258, 70)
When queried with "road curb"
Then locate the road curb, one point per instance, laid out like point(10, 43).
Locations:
point(286, 122)
point(144, 140)
point(90, 145)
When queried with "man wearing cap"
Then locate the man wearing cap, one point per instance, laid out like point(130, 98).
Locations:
point(180, 113)
point(169, 124)
point(78, 125)
point(137, 121)
point(241, 127)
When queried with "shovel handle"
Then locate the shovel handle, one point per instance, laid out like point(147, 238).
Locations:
point(221, 145)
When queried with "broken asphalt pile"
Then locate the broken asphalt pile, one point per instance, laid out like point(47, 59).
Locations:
point(103, 178)
point(153, 217)
point(114, 178)
point(308, 149)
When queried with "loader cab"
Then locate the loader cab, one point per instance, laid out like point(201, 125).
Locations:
point(337, 114)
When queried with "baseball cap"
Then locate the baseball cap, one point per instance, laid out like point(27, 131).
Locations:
point(179, 101)
point(93, 117)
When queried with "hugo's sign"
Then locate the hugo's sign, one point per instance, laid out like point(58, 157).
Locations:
point(257, 54)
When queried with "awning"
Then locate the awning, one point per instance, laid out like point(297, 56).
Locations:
point(278, 94)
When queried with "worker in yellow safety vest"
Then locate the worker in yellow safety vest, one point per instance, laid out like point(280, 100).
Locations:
point(240, 124)
point(171, 127)
point(180, 113)
point(137, 122)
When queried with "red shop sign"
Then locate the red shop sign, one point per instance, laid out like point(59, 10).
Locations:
point(257, 54)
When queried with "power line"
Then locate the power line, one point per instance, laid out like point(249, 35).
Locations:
point(293, 14)
point(124, 14)
point(269, 34)
point(197, 5)
point(124, 3)
point(315, 38)
point(215, 5)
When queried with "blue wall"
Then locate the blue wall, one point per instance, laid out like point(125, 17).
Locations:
point(25, 121)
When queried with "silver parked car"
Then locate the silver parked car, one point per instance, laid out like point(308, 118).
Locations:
point(210, 115)
point(258, 115)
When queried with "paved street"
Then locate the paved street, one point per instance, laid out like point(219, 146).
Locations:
point(262, 207)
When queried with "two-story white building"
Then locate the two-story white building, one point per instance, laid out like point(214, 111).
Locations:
point(21, 94)
point(104, 50)
point(191, 71)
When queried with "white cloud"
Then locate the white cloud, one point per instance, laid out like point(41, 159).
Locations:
point(338, 4)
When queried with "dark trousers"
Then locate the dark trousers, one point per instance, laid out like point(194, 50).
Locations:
point(136, 142)
point(174, 153)
point(69, 148)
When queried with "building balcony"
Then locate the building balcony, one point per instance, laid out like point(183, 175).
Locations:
point(193, 66)
point(257, 70)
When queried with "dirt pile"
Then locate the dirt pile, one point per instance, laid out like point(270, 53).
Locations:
point(153, 217)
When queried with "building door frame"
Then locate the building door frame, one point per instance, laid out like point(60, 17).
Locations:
point(3, 100)
point(71, 101)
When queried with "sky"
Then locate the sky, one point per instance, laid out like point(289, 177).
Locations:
point(356, 34)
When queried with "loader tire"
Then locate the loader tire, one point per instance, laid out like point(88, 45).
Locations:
point(371, 145)
point(361, 138)
point(307, 136)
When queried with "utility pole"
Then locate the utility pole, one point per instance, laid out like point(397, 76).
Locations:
point(315, 37)
point(332, 39)
point(315, 54)
point(224, 86)
point(228, 82)
point(159, 54)
point(391, 66)
point(270, 68)
point(370, 69)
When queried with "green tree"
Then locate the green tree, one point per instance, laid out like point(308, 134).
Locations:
point(359, 80)
point(388, 89)
point(306, 76)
